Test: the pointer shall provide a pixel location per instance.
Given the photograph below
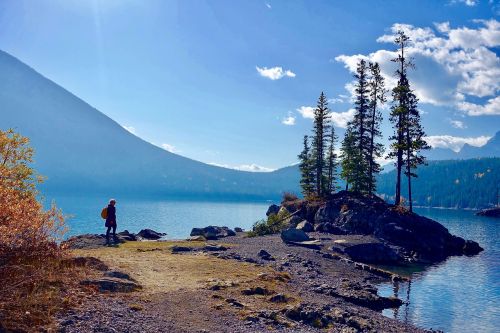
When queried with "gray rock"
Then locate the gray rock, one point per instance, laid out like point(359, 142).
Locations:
point(212, 232)
point(294, 235)
point(279, 298)
point(372, 253)
point(305, 226)
point(237, 229)
point(196, 239)
point(212, 247)
point(119, 275)
point(265, 255)
point(150, 234)
point(111, 284)
point(272, 210)
point(177, 249)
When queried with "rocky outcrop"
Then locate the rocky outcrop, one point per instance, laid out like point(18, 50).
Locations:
point(401, 236)
point(212, 232)
point(490, 212)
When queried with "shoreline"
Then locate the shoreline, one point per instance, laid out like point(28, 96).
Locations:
point(291, 289)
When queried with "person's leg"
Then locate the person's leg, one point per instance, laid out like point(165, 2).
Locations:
point(114, 231)
point(107, 235)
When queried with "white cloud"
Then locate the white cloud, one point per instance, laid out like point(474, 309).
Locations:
point(306, 111)
point(244, 167)
point(453, 64)
point(169, 147)
point(470, 3)
point(268, 5)
point(455, 143)
point(492, 107)
point(336, 100)
point(131, 129)
point(340, 119)
point(274, 73)
point(288, 120)
point(457, 124)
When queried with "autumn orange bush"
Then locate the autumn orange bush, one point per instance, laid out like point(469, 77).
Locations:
point(30, 254)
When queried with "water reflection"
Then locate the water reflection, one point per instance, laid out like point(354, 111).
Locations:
point(461, 294)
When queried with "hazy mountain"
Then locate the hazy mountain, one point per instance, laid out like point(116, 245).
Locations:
point(81, 150)
point(468, 183)
point(490, 149)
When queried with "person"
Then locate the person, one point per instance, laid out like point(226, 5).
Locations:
point(111, 220)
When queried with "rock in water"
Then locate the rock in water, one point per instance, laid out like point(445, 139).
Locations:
point(294, 235)
point(150, 234)
point(305, 226)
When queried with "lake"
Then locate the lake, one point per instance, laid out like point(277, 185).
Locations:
point(461, 294)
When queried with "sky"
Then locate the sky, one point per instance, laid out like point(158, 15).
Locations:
point(233, 83)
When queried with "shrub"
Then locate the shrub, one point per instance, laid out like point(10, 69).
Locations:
point(29, 235)
point(289, 196)
point(274, 224)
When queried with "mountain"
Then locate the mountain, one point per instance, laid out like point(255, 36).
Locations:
point(81, 150)
point(490, 149)
point(471, 183)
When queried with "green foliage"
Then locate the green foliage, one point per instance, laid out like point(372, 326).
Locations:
point(275, 223)
point(306, 167)
point(320, 130)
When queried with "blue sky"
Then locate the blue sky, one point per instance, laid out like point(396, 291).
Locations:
point(232, 82)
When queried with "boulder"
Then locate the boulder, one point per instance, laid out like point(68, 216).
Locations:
point(305, 226)
point(112, 284)
point(273, 210)
point(265, 255)
point(214, 248)
point(86, 241)
point(293, 235)
point(150, 234)
point(125, 235)
point(118, 275)
point(212, 232)
point(373, 253)
point(471, 248)
point(237, 229)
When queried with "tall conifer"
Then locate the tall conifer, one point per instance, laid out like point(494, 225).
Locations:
point(377, 98)
point(321, 126)
point(306, 169)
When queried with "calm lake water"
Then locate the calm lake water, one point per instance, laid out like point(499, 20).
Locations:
point(461, 294)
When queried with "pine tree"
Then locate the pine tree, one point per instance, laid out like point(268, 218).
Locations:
point(399, 109)
point(306, 170)
point(321, 126)
point(414, 143)
point(331, 160)
point(377, 98)
point(360, 126)
point(348, 158)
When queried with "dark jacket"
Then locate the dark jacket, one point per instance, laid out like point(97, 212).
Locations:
point(111, 214)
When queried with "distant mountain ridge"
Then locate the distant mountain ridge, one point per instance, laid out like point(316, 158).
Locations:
point(490, 149)
point(81, 150)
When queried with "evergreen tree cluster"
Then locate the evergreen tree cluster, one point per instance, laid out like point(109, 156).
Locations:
point(360, 149)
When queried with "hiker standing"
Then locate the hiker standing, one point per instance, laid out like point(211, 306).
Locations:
point(111, 219)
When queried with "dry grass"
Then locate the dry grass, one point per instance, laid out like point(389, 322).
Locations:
point(36, 291)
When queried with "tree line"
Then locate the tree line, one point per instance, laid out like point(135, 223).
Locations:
point(360, 150)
